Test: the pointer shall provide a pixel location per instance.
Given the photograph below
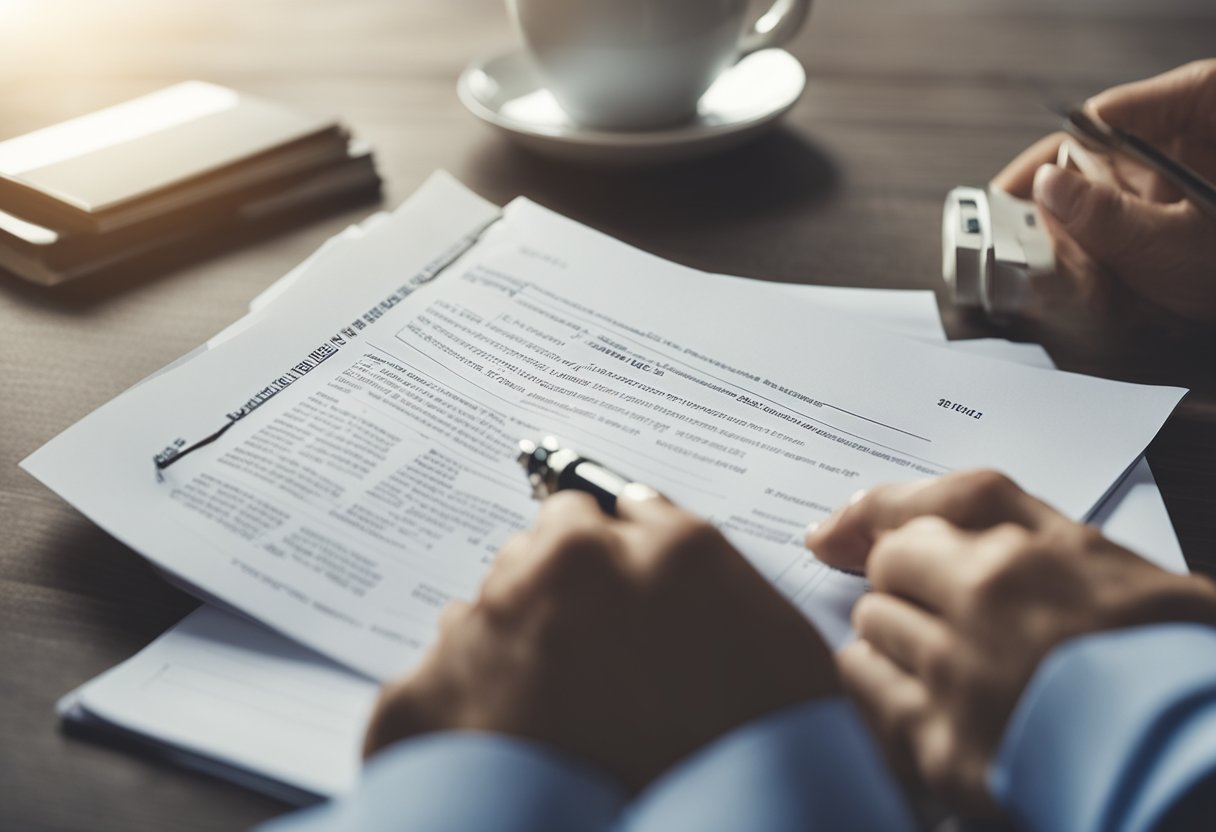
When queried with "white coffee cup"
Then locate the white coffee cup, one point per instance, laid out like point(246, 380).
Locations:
point(642, 64)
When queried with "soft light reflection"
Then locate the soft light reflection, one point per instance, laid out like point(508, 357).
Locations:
point(9, 8)
point(114, 125)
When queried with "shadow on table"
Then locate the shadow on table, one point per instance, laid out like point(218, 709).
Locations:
point(118, 600)
point(650, 206)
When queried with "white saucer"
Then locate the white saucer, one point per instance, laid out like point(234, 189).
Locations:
point(748, 98)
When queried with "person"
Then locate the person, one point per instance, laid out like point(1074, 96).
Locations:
point(1134, 259)
point(636, 673)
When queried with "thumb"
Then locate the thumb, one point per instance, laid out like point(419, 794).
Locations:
point(1116, 228)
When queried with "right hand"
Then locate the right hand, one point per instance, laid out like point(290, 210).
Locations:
point(975, 582)
point(1145, 234)
point(627, 642)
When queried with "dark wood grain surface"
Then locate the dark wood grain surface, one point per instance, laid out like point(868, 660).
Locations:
point(905, 99)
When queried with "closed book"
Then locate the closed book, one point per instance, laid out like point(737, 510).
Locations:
point(162, 152)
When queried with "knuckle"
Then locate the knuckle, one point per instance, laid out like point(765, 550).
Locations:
point(988, 486)
point(452, 614)
point(1096, 211)
point(938, 663)
point(582, 541)
point(1011, 544)
point(937, 760)
point(498, 600)
point(1204, 71)
point(906, 713)
point(937, 770)
point(923, 526)
point(575, 555)
point(1089, 538)
point(688, 545)
point(883, 493)
point(861, 615)
point(565, 504)
point(891, 545)
point(1007, 554)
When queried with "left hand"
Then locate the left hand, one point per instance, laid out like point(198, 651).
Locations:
point(975, 581)
point(1133, 259)
point(626, 642)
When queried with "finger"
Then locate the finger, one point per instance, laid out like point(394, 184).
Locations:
point(573, 545)
point(1143, 242)
point(892, 701)
point(565, 509)
point(913, 639)
point(922, 561)
point(1164, 107)
point(452, 614)
point(1018, 176)
point(968, 499)
point(510, 562)
point(640, 503)
point(662, 539)
point(395, 717)
point(562, 519)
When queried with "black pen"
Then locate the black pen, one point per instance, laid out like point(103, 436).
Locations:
point(552, 468)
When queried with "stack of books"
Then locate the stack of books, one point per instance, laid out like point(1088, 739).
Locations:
point(181, 167)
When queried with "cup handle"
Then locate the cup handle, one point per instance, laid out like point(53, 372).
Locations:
point(776, 26)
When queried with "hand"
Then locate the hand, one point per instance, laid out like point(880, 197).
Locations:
point(1143, 234)
point(974, 583)
point(626, 642)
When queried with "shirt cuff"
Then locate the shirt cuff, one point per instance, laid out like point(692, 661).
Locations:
point(457, 780)
point(1112, 731)
point(810, 767)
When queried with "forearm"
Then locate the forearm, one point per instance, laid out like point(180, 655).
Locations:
point(810, 767)
point(456, 781)
point(1115, 732)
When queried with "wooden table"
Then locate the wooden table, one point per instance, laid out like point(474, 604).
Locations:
point(905, 100)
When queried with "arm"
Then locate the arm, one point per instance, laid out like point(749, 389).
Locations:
point(981, 589)
point(458, 780)
point(1116, 731)
point(810, 767)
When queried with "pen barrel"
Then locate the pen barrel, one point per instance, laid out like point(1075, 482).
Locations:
point(593, 479)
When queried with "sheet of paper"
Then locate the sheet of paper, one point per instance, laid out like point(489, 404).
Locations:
point(289, 716)
point(225, 688)
point(1133, 514)
point(365, 475)
point(218, 723)
point(263, 710)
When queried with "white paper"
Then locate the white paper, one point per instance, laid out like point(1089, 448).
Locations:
point(1134, 515)
point(317, 710)
point(224, 688)
point(366, 494)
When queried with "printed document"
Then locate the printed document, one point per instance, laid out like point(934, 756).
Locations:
point(221, 693)
point(341, 471)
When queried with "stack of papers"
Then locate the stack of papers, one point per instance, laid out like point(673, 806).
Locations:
point(336, 466)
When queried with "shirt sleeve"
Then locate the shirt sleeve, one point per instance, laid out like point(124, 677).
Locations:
point(455, 781)
point(1116, 732)
point(810, 767)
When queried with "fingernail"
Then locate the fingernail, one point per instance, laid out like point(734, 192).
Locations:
point(637, 492)
point(857, 497)
point(1058, 192)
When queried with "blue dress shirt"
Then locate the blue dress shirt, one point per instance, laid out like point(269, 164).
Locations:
point(1115, 732)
